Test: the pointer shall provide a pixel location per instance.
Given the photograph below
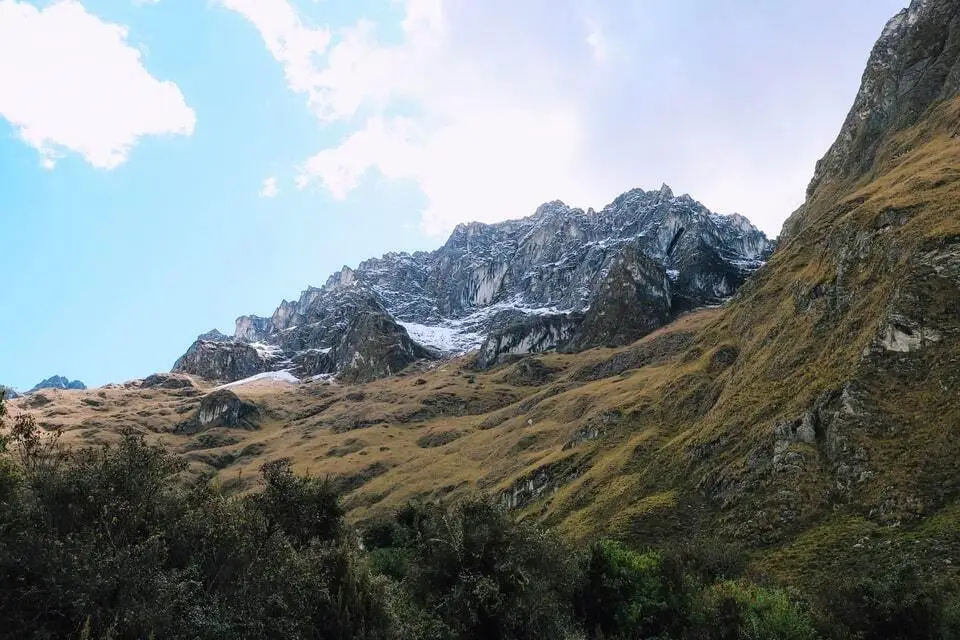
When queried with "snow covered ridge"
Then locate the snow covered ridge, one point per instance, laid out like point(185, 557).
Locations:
point(454, 337)
point(486, 279)
point(450, 339)
point(283, 377)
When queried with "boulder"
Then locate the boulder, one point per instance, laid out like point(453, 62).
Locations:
point(222, 408)
point(167, 381)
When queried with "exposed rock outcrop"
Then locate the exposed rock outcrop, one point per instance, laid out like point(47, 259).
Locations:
point(229, 361)
point(536, 334)
point(167, 381)
point(914, 64)
point(222, 408)
point(925, 307)
point(633, 301)
point(340, 329)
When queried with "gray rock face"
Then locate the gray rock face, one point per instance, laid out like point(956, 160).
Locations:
point(339, 329)
point(59, 382)
point(532, 335)
point(914, 64)
point(167, 381)
point(230, 361)
point(510, 288)
point(557, 257)
point(925, 306)
point(222, 408)
point(633, 301)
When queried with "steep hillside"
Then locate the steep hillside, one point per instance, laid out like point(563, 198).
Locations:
point(813, 418)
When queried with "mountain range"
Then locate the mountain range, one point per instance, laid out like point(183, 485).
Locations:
point(562, 278)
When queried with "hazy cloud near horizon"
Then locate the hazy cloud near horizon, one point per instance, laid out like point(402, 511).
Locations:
point(494, 107)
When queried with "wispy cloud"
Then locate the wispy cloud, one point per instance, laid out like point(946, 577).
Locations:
point(596, 40)
point(469, 131)
point(269, 188)
point(71, 82)
point(291, 42)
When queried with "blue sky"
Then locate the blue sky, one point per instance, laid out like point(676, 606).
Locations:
point(168, 165)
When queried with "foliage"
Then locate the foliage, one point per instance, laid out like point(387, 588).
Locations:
point(481, 573)
point(622, 593)
point(893, 602)
point(738, 609)
point(111, 543)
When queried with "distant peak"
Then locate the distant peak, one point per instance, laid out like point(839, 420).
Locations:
point(214, 335)
point(346, 277)
point(59, 382)
point(554, 206)
point(666, 192)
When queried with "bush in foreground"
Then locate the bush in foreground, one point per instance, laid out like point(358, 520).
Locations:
point(109, 543)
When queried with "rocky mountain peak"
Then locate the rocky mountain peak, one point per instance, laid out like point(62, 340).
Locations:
point(914, 64)
point(53, 382)
point(520, 285)
point(214, 336)
point(552, 208)
point(59, 382)
point(346, 277)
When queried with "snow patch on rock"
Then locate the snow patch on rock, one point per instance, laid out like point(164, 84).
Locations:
point(276, 377)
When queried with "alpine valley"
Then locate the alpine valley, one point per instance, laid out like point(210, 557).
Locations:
point(650, 372)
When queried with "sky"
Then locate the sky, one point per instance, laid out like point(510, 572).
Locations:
point(168, 165)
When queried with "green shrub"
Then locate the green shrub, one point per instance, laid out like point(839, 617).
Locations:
point(478, 573)
point(740, 610)
point(303, 508)
point(621, 593)
point(111, 542)
point(895, 602)
point(705, 561)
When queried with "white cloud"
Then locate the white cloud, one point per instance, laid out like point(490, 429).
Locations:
point(596, 40)
point(269, 188)
point(71, 82)
point(494, 107)
point(487, 165)
point(293, 44)
point(476, 152)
